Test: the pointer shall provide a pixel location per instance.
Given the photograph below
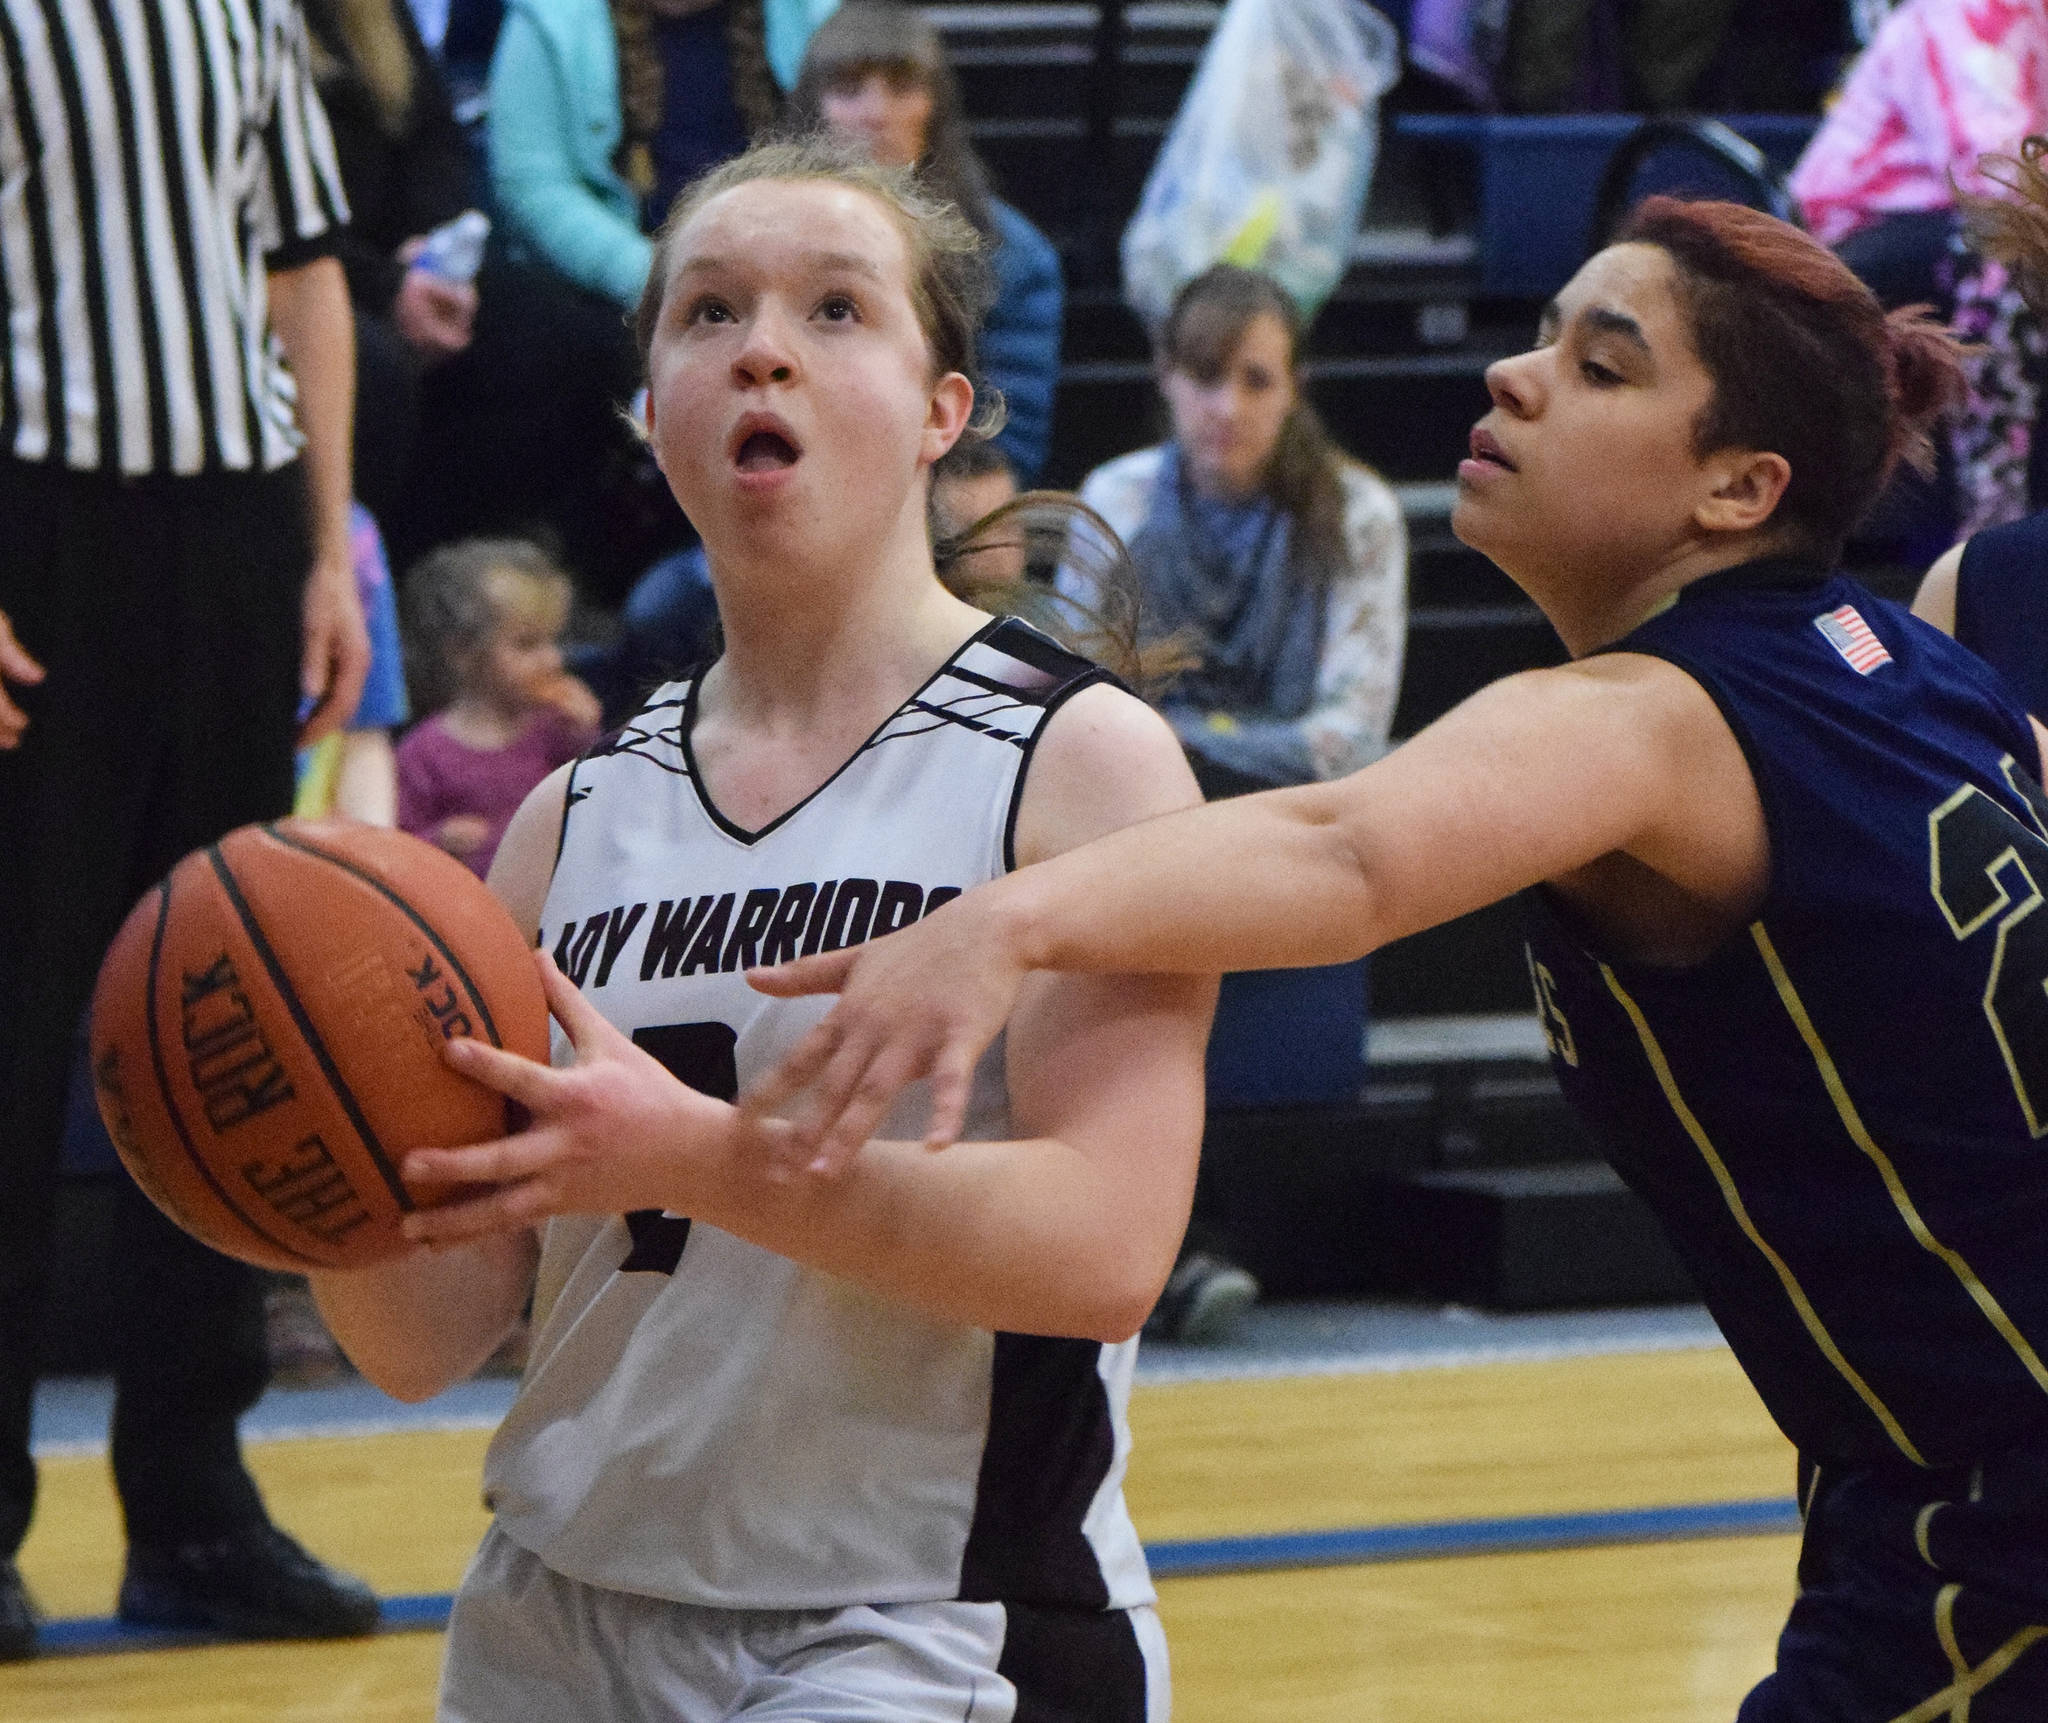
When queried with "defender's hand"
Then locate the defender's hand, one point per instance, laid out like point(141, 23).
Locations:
point(922, 1002)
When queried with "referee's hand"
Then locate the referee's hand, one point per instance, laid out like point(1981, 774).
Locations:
point(336, 657)
point(15, 666)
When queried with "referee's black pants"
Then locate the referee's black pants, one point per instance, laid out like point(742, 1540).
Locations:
point(166, 612)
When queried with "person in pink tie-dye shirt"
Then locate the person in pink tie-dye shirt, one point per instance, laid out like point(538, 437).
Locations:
point(1943, 84)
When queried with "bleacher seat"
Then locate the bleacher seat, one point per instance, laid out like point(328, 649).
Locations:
point(1289, 1037)
point(1538, 180)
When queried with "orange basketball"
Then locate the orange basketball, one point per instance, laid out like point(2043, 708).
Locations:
point(267, 1033)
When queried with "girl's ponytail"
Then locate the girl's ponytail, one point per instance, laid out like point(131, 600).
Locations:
point(1927, 379)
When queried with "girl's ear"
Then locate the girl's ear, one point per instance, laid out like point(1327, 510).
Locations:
point(1745, 487)
point(646, 405)
point(952, 405)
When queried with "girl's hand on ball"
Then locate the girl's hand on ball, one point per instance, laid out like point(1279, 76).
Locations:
point(608, 1134)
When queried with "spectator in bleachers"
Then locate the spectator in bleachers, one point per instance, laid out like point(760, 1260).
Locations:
point(1666, 47)
point(601, 112)
point(1988, 590)
point(406, 168)
point(1942, 84)
point(1281, 565)
point(354, 771)
point(877, 74)
point(970, 481)
point(1282, 560)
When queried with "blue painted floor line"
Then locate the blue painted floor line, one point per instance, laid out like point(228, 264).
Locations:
point(1356, 1545)
point(1183, 1558)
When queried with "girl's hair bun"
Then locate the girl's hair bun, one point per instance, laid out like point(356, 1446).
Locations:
point(1927, 378)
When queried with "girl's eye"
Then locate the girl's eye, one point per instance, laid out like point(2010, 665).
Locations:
point(837, 308)
point(708, 310)
point(1598, 375)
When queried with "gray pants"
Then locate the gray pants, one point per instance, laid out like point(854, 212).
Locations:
point(526, 1645)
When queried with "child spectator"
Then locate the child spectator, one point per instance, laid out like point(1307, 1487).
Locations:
point(484, 622)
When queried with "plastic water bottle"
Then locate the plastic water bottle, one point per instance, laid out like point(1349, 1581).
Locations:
point(455, 250)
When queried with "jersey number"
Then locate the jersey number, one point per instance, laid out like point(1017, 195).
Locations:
point(701, 1055)
point(1988, 870)
point(1557, 1028)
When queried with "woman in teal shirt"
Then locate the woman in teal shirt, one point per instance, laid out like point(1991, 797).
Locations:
point(580, 117)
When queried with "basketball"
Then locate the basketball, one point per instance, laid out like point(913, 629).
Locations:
point(267, 1031)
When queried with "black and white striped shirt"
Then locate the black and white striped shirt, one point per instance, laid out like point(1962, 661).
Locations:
point(157, 157)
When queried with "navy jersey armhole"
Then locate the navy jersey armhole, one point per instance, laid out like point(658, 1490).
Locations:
point(1970, 574)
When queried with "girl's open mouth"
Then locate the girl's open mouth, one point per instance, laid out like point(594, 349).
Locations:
point(765, 452)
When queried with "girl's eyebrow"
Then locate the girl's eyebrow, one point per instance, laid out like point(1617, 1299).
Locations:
point(1612, 322)
point(814, 262)
point(1601, 318)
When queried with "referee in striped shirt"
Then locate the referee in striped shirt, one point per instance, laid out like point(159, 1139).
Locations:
point(176, 382)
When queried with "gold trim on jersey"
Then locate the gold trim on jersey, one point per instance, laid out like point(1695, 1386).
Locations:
point(1952, 1703)
point(1923, 1525)
point(1852, 1122)
point(1815, 1328)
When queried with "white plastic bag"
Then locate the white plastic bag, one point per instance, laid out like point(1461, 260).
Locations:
point(1269, 158)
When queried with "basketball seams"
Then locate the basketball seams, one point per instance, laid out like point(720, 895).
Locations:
point(368, 878)
point(288, 996)
point(163, 1085)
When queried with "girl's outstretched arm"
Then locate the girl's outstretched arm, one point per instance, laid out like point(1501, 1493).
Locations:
point(1530, 779)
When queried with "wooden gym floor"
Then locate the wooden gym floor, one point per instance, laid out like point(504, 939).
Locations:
point(1431, 1459)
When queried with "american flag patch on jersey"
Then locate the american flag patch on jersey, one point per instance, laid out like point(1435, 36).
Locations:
point(1850, 635)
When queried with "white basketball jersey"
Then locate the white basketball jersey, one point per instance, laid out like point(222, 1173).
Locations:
point(706, 1421)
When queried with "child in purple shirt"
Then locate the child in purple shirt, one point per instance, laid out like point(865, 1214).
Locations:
point(483, 622)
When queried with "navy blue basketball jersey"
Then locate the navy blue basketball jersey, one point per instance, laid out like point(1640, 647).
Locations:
point(2002, 605)
point(1839, 1115)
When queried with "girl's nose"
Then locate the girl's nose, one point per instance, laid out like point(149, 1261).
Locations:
point(767, 355)
point(1513, 383)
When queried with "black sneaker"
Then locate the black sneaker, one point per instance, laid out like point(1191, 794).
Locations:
point(254, 1584)
point(1204, 1299)
point(17, 1616)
